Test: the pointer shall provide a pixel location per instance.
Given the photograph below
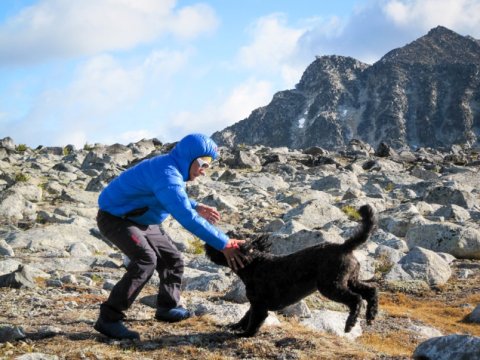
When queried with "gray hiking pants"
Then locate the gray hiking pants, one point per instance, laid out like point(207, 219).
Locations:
point(149, 248)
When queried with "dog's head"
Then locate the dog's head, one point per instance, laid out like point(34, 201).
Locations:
point(253, 248)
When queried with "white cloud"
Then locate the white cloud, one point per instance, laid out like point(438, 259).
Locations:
point(460, 15)
point(59, 28)
point(237, 105)
point(97, 104)
point(272, 48)
point(382, 25)
point(243, 100)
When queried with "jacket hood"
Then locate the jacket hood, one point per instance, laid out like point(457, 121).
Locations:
point(191, 147)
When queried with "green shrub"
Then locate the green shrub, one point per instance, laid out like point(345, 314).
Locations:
point(196, 246)
point(21, 147)
point(88, 147)
point(389, 187)
point(96, 278)
point(21, 177)
point(351, 212)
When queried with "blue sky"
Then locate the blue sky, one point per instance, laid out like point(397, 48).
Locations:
point(107, 71)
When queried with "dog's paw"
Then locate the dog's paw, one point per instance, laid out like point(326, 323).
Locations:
point(348, 327)
point(245, 334)
point(235, 327)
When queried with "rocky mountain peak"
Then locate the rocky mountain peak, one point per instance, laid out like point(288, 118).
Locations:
point(325, 67)
point(425, 94)
point(439, 45)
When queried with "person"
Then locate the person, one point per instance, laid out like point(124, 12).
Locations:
point(131, 209)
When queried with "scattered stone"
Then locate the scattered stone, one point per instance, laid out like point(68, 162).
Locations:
point(11, 333)
point(450, 347)
point(23, 277)
point(332, 322)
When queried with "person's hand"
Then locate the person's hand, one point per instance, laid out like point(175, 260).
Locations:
point(234, 256)
point(209, 213)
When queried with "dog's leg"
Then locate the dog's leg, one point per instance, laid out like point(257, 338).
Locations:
point(341, 294)
point(257, 315)
point(369, 293)
point(243, 323)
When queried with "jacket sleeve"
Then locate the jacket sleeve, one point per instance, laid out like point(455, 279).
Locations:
point(193, 203)
point(175, 200)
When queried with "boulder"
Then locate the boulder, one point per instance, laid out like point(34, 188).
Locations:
point(450, 347)
point(460, 241)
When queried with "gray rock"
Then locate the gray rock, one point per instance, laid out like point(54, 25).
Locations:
point(301, 196)
point(23, 277)
point(14, 206)
point(79, 250)
point(268, 182)
point(424, 332)
point(459, 241)
point(196, 280)
point(283, 245)
point(453, 212)
point(11, 333)
point(236, 292)
point(398, 220)
point(299, 310)
point(388, 254)
point(219, 202)
point(475, 315)
point(5, 249)
point(314, 214)
point(332, 322)
point(450, 347)
point(7, 143)
point(447, 195)
point(8, 266)
point(290, 227)
point(421, 264)
point(337, 184)
point(56, 236)
point(37, 356)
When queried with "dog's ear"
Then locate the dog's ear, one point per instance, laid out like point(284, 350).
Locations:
point(262, 243)
point(215, 255)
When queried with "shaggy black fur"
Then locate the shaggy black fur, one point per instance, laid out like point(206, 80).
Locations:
point(274, 282)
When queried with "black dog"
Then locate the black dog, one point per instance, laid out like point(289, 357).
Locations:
point(274, 282)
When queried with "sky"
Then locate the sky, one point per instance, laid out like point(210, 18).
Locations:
point(118, 71)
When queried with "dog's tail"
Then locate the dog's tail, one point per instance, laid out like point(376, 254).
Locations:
point(362, 233)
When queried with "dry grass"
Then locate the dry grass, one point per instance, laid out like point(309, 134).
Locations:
point(433, 311)
point(74, 309)
point(448, 318)
point(393, 344)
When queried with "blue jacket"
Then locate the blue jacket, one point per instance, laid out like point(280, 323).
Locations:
point(159, 185)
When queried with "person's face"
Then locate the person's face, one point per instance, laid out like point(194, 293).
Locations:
point(198, 168)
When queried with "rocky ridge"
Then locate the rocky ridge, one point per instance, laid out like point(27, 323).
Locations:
point(55, 267)
point(425, 94)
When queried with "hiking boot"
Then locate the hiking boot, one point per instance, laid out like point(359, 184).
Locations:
point(115, 329)
point(172, 314)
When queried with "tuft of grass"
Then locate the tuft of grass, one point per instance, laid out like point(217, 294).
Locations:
point(88, 147)
point(96, 278)
point(196, 247)
point(21, 148)
point(66, 151)
point(389, 187)
point(351, 212)
point(21, 177)
point(40, 219)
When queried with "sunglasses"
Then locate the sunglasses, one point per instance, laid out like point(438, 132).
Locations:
point(204, 162)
